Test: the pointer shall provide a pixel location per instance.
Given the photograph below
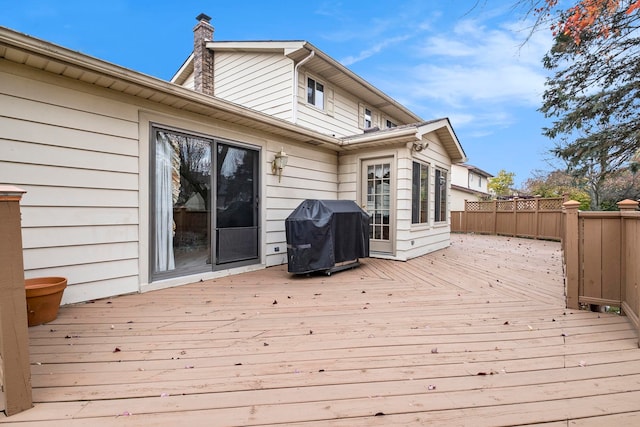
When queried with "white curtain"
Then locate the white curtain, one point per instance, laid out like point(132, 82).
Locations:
point(164, 204)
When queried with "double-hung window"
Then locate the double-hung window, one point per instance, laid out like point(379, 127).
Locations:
point(440, 196)
point(368, 118)
point(315, 93)
point(419, 194)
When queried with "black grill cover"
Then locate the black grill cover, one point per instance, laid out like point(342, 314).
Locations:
point(322, 233)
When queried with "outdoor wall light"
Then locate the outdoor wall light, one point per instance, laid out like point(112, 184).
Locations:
point(279, 162)
point(418, 146)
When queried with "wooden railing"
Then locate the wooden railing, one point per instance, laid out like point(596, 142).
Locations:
point(538, 218)
point(15, 371)
point(602, 258)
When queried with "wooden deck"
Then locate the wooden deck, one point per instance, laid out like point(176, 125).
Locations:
point(476, 335)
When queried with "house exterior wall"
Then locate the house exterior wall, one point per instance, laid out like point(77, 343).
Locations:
point(342, 114)
point(411, 240)
point(82, 154)
point(310, 174)
point(261, 81)
point(76, 154)
point(474, 183)
point(459, 176)
point(418, 239)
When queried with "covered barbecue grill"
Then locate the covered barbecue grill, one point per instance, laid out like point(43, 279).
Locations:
point(326, 235)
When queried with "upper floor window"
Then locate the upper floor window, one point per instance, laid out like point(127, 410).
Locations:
point(315, 93)
point(390, 124)
point(368, 118)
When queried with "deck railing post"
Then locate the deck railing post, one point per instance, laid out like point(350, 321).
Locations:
point(571, 253)
point(15, 372)
point(628, 259)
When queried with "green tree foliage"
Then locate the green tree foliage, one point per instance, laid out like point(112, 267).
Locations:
point(501, 184)
point(594, 97)
point(557, 183)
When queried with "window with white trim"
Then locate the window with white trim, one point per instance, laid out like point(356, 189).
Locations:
point(420, 194)
point(440, 202)
point(390, 124)
point(368, 118)
point(315, 93)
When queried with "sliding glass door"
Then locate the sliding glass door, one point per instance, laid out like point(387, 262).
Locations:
point(204, 204)
point(236, 204)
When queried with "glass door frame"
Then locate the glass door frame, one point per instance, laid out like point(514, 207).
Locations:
point(385, 246)
point(152, 220)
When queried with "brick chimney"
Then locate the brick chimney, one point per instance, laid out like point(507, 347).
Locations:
point(203, 57)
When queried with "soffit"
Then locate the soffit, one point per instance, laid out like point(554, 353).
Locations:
point(338, 75)
point(45, 56)
point(411, 133)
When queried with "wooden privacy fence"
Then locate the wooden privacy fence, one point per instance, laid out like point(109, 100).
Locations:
point(602, 258)
point(538, 218)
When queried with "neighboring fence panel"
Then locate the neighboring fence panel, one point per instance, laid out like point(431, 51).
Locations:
point(601, 253)
point(536, 218)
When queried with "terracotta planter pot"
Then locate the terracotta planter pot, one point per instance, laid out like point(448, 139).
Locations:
point(43, 298)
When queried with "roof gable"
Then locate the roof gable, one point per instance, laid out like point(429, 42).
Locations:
point(321, 64)
point(414, 132)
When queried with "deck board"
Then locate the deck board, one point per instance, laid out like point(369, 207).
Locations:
point(476, 334)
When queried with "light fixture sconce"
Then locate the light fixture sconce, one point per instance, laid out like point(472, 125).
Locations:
point(419, 146)
point(279, 162)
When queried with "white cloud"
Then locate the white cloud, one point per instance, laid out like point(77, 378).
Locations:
point(478, 65)
point(349, 60)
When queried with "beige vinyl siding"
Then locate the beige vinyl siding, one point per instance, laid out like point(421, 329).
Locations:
point(76, 155)
point(340, 116)
point(190, 82)
point(348, 177)
point(417, 239)
point(261, 81)
point(310, 174)
point(425, 237)
point(346, 116)
point(460, 176)
point(458, 199)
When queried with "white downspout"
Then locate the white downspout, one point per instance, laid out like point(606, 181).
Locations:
point(294, 101)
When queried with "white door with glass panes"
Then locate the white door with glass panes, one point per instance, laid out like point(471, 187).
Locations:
point(378, 202)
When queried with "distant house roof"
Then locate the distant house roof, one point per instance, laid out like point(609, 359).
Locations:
point(468, 190)
point(476, 170)
point(323, 65)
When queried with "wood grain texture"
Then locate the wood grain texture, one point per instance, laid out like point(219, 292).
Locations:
point(476, 334)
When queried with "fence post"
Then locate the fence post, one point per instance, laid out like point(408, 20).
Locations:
point(515, 216)
point(463, 224)
point(571, 253)
point(15, 372)
point(537, 217)
point(495, 216)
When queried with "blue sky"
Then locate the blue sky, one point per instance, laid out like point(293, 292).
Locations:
point(461, 59)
